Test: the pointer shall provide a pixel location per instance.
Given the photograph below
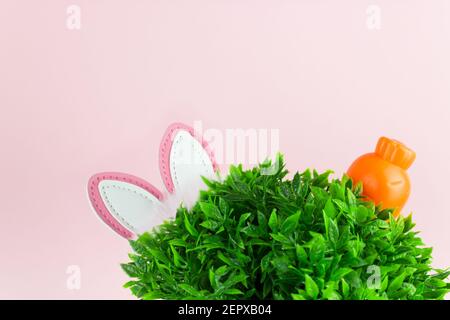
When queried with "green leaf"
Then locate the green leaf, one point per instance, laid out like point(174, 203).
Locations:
point(351, 198)
point(221, 271)
point(177, 258)
point(233, 291)
point(329, 209)
point(210, 210)
point(225, 259)
point(273, 220)
point(234, 279)
point(280, 238)
point(290, 223)
point(189, 227)
point(297, 296)
point(362, 214)
point(397, 282)
point(311, 287)
point(243, 218)
point(189, 289)
point(330, 292)
point(332, 230)
point(224, 206)
point(212, 278)
point(436, 283)
point(341, 205)
point(265, 262)
point(130, 269)
point(345, 288)
point(384, 284)
point(340, 273)
point(210, 225)
point(301, 254)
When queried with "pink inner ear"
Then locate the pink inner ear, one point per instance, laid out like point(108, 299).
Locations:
point(166, 146)
point(100, 207)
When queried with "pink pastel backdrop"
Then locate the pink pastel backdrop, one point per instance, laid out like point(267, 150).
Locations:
point(73, 103)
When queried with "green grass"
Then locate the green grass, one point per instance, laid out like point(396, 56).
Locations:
point(256, 236)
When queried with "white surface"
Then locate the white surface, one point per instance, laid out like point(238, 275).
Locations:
point(135, 208)
point(189, 161)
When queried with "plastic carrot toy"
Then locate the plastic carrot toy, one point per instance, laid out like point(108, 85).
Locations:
point(383, 174)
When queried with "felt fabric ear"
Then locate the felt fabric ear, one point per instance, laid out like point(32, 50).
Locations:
point(184, 159)
point(131, 206)
point(128, 204)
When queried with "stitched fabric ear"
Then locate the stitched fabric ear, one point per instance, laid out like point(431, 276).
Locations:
point(128, 204)
point(184, 159)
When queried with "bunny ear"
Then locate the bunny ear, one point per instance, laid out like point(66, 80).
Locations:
point(128, 204)
point(184, 159)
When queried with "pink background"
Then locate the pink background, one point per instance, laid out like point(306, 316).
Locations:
point(77, 102)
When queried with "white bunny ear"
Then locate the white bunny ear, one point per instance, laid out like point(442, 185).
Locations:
point(184, 159)
point(128, 204)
